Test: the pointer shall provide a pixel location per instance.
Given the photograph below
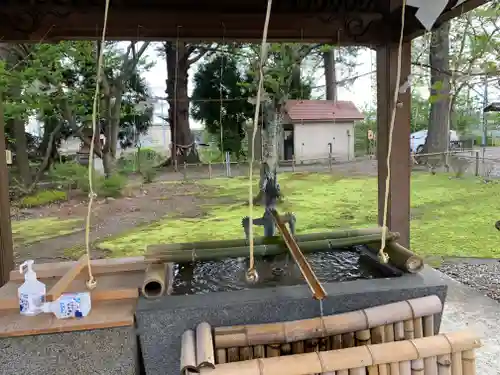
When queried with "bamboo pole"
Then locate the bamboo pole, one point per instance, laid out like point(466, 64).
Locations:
point(259, 351)
point(336, 342)
point(286, 332)
point(399, 331)
point(154, 280)
point(363, 337)
point(214, 253)
point(348, 340)
point(298, 347)
point(428, 323)
point(402, 353)
point(341, 234)
point(409, 329)
point(233, 355)
point(221, 356)
point(188, 354)
point(417, 367)
point(389, 332)
point(468, 362)
point(204, 346)
point(403, 258)
point(430, 366)
point(444, 364)
point(418, 328)
point(456, 363)
point(246, 353)
point(405, 368)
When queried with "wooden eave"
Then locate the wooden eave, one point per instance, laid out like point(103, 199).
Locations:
point(355, 22)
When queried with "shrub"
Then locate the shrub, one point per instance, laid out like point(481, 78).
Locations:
point(111, 186)
point(68, 172)
point(139, 161)
point(148, 175)
point(43, 198)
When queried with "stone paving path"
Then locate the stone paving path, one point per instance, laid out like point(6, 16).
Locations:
point(468, 309)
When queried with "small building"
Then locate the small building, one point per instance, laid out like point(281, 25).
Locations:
point(315, 129)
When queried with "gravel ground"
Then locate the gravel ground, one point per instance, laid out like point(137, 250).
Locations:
point(483, 277)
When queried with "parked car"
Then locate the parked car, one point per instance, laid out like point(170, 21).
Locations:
point(417, 140)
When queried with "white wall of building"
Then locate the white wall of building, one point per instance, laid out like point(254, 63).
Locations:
point(311, 141)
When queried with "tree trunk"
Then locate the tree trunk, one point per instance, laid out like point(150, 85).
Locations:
point(183, 146)
point(439, 61)
point(270, 145)
point(330, 74)
point(22, 157)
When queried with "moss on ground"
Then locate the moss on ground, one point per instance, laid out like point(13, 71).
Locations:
point(29, 231)
point(450, 217)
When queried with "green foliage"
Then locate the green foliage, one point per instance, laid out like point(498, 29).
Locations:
point(111, 186)
point(134, 162)
point(42, 198)
point(220, 101)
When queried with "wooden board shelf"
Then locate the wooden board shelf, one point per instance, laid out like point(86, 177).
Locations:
point(107, 314)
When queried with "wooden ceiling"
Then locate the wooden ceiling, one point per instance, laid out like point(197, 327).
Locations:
point(362, 22)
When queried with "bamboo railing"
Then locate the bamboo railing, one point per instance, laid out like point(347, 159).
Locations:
point(386, 323)
point(445, 354)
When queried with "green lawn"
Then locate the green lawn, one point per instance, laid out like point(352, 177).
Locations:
point(26, 232)
point(450, 217)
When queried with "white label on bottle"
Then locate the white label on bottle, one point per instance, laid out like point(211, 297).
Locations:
point(29, 302)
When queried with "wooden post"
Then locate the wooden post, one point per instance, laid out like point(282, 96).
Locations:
point(184, 170)
point(209, 169)
point(293, 163)
point(330, 161)
point(6, 245)
point(398, 214)
point(477, 164)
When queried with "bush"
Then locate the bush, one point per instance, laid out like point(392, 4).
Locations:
point(111, 186)
point(139, 161)
point(43, 198)
point(68, 172)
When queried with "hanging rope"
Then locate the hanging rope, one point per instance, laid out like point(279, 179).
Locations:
point(92, 282)
point(382, 255)
point(175, 150)
point(220, 92)
point(252, 273)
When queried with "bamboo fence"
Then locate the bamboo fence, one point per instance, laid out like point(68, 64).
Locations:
point(386, 323)
point(445, 354)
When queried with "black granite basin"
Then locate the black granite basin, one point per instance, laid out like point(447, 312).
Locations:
point(229, 274)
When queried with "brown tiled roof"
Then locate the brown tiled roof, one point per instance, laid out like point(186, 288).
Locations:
point(321, 110)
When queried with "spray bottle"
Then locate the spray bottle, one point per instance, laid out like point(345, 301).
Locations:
point(32, 293)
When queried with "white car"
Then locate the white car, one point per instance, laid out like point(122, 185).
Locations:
point(417, 140)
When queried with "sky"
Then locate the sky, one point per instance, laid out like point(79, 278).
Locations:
point(360, 92)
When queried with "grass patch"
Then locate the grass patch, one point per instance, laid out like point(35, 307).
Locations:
point(453, 217)
point(42, 198)
point(26, 232)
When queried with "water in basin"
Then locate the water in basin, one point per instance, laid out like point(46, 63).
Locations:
point(229, 274)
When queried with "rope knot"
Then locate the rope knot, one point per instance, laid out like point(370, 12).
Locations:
point(92, 195)
point(91, 283)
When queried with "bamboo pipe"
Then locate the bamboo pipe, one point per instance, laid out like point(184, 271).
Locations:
point(188, 354)
point(183, 256)
point(190, 246)
point(204, 346)
point(401, 257)
point(355, 358)
point(286, 332)
point(305, 268)
point(428, 322)
point(154, 281)
point(430, 366)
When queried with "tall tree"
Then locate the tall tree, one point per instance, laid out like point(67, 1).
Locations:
point(180, 56)
point(220, 101)
point(439, 62)
point(280, 85)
